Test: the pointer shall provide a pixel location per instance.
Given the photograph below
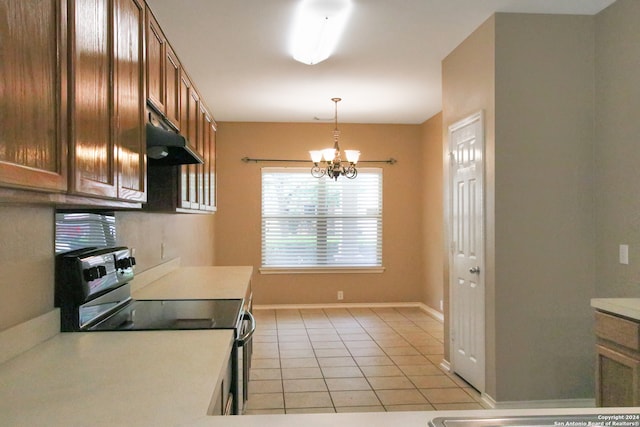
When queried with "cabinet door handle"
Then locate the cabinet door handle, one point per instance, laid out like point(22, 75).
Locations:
point(474, 270)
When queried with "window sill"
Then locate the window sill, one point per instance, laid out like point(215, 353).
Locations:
point(321, 270)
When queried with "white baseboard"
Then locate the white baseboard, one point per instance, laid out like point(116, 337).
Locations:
point(445, 365)
point(428, 310)
point(538, 404)
point(432, 312)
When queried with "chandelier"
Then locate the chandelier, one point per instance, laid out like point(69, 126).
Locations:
point(329, 162)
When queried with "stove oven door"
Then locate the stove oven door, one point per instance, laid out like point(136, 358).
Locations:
point(243, 348)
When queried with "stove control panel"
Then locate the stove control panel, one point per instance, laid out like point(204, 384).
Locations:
point(84, 274)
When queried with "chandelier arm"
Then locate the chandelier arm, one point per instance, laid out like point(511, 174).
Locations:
point(318, 172)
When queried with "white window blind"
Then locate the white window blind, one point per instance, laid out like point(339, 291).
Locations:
point(312, 222)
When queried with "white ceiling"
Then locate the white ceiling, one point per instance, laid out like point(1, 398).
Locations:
point(386, 67)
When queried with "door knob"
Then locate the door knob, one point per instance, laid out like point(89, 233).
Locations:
point(474, 270)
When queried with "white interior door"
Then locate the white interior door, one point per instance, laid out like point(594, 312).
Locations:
point(466, 256)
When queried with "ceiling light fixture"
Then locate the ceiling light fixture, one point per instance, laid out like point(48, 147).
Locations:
point(332, 162)
point(317, 27)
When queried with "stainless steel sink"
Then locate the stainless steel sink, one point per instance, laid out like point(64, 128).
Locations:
point(516, 421)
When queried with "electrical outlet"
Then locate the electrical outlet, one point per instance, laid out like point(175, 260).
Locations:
point(340, 295)
point(441, 306)
point(162, 250)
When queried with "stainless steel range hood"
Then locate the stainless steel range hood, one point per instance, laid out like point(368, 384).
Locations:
point(166, 147)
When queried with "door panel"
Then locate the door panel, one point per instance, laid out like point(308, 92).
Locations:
point(129, 104)
point(94, 153)
point(172, 92)
point(155, 64)
point(190, 199)
point(467, 250)
point(33, 91)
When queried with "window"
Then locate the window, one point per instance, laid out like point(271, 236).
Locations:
point(312, 223)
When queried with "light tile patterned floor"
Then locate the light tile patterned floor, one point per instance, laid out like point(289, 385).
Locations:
point(351, 360)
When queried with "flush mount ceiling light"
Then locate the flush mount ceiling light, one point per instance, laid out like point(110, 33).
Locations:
point(317, 27)
point(332, 164)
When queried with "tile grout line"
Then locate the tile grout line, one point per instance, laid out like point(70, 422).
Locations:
point(365, 377)
point(324, 379)
point(357, 320)
point(354, 359)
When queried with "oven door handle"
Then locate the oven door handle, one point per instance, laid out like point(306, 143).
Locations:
point(247, 336)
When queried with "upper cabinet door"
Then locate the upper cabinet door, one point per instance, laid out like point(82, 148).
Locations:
point(156, 46)
point(212, 168)
point(128, 64)
point(193, 132)
point(172, 88)
point(33, 102)
point(92, 144)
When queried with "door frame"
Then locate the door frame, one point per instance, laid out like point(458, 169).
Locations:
point(478, 116)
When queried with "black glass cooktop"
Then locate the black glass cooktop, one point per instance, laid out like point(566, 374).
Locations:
point(173, 314)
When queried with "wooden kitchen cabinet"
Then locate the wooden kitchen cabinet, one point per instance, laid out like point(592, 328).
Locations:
point(92, 147)
point(108, 143)
point(618, 361)
point(130, 135)
point(186, 188)
point(172, 87)
point(209, 167)
point(189, 192)
point(155, 55)
point(163, 73)
point(33, 105)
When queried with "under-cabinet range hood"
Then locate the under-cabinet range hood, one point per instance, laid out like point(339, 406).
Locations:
point(166, 147)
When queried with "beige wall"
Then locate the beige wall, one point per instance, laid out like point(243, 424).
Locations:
point(26, 263)
point(27, 252)
point(239, 201)
point(617, 154)
point(188, 236)
point(538, 103)
point(468, 75)
point(544, 213)
point(432, 230)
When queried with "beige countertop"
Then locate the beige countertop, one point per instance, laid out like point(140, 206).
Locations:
point(155, 379)
point(149, 378)
point(132, 378)
point(628, 307)
point(194, 283)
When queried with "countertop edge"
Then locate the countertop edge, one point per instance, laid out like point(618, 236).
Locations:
point(627, 307)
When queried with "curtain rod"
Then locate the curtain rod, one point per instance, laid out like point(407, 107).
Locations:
point(390, 161)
